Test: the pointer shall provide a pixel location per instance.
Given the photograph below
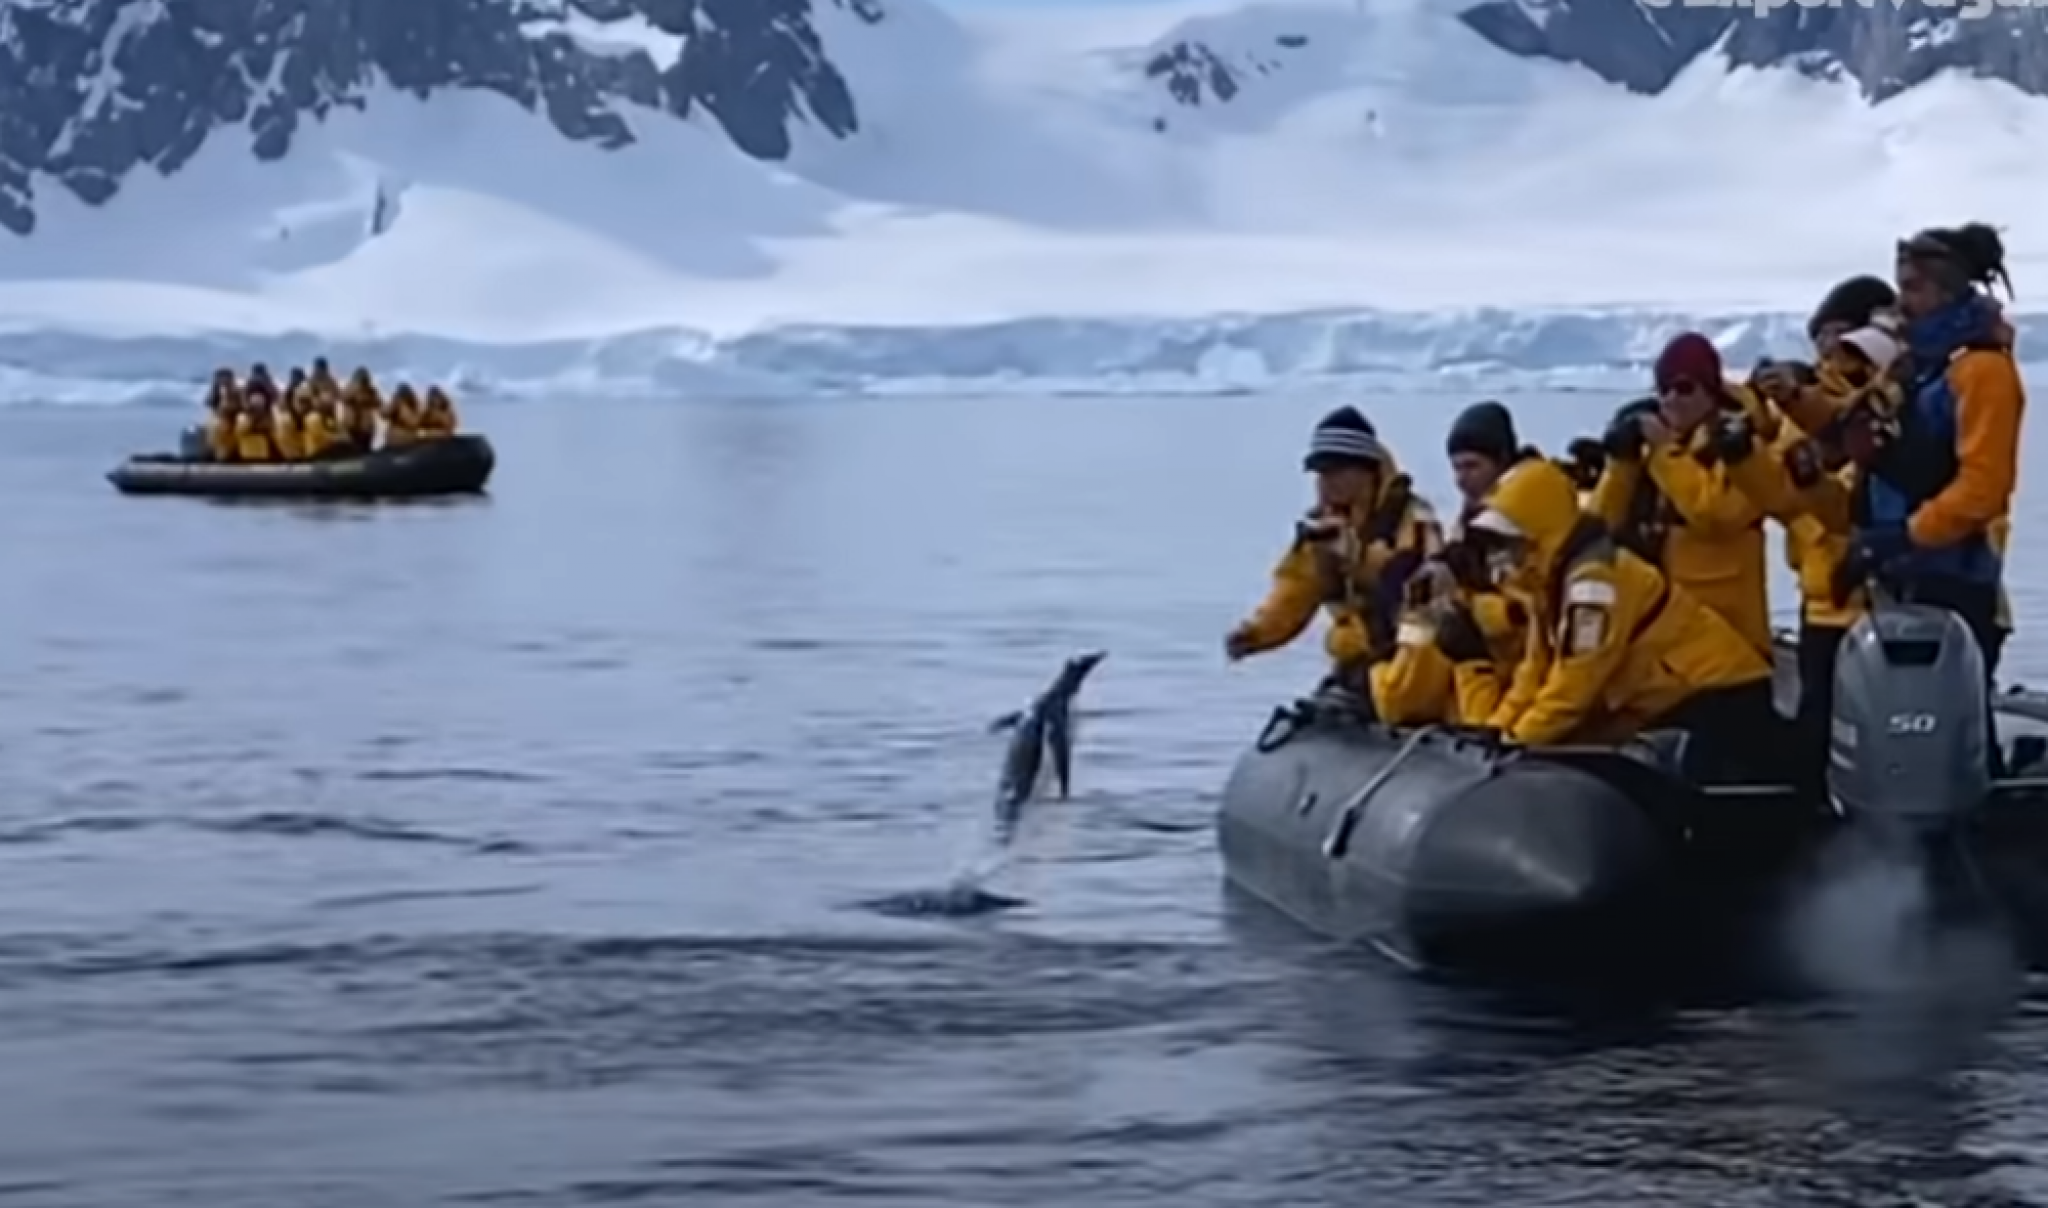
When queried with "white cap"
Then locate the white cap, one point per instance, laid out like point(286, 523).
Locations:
point(1491, 520)
point(1877, 345)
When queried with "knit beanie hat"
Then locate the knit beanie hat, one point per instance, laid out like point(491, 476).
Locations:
point(1487, 429)
point(1344, 438)
point(1690, 357)
point(1852, 303)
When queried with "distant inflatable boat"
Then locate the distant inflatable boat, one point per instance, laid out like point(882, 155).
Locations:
point(1446, 850)
point(455, 465)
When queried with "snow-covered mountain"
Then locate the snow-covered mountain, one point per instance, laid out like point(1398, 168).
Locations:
point(1884, 49)
point(684, 172)
point(92, 90)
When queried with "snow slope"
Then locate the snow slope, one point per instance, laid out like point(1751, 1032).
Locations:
point(1024, 201)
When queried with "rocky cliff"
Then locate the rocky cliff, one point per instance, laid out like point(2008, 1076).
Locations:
point(91, 90)
point(1885, 49)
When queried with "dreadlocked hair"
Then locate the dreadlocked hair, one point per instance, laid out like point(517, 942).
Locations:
point(1975, 251)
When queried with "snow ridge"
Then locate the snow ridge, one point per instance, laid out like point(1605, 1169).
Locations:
point(1476, 350)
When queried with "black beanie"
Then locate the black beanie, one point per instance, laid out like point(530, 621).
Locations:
point(1344, 438)
point(1487, 429)
point(1852, 303)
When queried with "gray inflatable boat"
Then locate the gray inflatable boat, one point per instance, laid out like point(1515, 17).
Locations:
point(1444, 850)
point(455, 465)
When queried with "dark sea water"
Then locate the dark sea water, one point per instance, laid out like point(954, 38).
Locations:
point(511, 851)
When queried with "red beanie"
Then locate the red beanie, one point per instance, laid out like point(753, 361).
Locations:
point(1689, 357)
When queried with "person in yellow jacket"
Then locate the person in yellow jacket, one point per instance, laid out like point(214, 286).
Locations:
point(1614, 646)
point(1353, 554)
point(253, 429)
point(361, 406)
point(1664, 495)
point(318, 433)
point(1854, 353)
point(437, 418)
point(402, 418)
point(1454, 618)
point(1449, 653)
point(223, 407)
point(321, 382)
point(286, 435)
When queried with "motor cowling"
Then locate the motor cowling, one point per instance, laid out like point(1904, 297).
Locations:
point(1907, 744)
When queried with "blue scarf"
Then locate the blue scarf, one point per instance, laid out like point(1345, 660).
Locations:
point(1933, 338)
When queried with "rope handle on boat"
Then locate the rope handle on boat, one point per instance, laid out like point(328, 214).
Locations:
point(1286, 722)
point(1339, 840)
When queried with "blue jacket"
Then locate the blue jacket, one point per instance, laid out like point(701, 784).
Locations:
point(1924, 458)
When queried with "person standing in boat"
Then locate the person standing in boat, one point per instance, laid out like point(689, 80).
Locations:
point(223, 408)
point(318, 434)
point(1614, 646)
point(1352, 555)
point(402, 418)
point(437, 419)
point(1856, 346)
point(253, 428)
point(1459, 633)
point(1664, 495)
point(360, 408)
point(260, 390)
point(321, 382)
point(1929, 507)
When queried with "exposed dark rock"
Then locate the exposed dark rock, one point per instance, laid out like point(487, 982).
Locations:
point(1884, 49)
point(91, 90)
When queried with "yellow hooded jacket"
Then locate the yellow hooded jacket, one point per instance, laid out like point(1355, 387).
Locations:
point(1613, 645)
point(1707, 536)
point(1420, 685)
point(1355, 576)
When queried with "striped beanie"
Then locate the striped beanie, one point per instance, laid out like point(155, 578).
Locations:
point(1344, 438)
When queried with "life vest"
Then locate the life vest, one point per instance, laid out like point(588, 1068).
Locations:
point(1917, 465)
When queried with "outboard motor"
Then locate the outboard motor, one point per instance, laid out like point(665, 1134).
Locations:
point(192, 445)
point(1908, 742)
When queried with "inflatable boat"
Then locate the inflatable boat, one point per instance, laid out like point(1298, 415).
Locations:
point(1447, 849)
point(456, 465)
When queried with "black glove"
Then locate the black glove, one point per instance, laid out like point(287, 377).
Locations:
point(1624, 438)
point(1458, 636)
point(1733, 439)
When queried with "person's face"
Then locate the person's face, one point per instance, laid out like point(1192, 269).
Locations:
point(1919, 293)
point(1475, 474)
point(1683, 404)
point(1345, 486)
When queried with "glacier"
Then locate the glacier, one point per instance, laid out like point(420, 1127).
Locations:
point(1031, 199)
point(1480, 350)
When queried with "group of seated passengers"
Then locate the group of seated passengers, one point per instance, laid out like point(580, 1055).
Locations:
point(313, 416)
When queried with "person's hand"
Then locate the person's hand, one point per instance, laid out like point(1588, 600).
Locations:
point(1656, 433)
point(1458, 636)
point(1238, 644)
point(1781, 381)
